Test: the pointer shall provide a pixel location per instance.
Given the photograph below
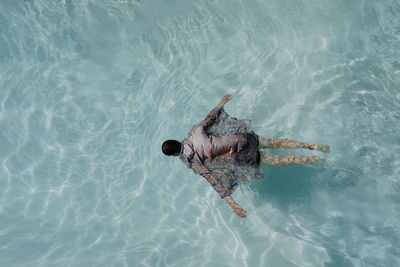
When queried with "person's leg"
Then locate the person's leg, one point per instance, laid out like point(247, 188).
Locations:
point(272, 159)
point(287, 143)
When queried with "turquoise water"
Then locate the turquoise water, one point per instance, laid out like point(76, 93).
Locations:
point(89, 90)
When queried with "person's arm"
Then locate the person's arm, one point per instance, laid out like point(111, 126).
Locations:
point(213, 115)
point(236, 207)
point(224, 192)
point(226, 98)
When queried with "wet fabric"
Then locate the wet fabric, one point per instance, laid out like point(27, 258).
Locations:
point(222, 149)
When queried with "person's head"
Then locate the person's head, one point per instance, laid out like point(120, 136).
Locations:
point(171, 147)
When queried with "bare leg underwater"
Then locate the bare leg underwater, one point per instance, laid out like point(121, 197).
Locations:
point(287, 143)
point(272, 159)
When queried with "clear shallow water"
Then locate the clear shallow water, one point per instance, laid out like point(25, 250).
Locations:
point(90, 89)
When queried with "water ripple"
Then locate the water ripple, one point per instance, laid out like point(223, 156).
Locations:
point(90, 89)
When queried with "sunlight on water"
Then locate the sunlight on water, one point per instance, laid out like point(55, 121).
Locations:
point(89, 90)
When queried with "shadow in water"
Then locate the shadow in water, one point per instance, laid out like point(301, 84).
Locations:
point(296, 184)
point(284, 185)
point(292, 189)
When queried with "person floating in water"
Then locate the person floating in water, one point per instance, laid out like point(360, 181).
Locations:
point(225, 151)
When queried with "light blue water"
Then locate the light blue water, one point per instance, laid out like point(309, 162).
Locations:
point(89, 90)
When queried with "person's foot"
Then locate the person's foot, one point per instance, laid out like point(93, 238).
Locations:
point(324, 148)
point(318, 160)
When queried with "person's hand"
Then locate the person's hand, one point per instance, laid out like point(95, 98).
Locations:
point(239, 211)
point(226, 98)
point(236, 207)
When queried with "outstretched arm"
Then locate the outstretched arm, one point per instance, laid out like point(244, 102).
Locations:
point(213, 115)
point(224, 193)
point(236, 207)
point(226, 98)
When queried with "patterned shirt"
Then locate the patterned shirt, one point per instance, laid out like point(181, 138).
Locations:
point(223, 150)
point(201, 145)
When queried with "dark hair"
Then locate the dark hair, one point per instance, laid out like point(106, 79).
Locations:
point(171, 147)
